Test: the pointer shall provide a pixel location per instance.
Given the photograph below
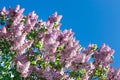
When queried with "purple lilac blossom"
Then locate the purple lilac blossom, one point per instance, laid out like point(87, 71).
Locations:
point(50, 42)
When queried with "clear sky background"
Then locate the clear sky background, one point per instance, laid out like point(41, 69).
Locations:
point(93, 21)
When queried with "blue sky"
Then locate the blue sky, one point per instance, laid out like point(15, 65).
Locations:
point(93, 21)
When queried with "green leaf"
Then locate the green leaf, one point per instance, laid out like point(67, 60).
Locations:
point(42, 30)
point(55, 25)
point(32, 35)
point(78, 74)
point(39, 45)
point(24, 20)
point(10, 22)
point(94, 47)
point(101, 73)
point(33, 62)
point(60, 48)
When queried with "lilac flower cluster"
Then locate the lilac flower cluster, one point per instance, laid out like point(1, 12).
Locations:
point(43, 52)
